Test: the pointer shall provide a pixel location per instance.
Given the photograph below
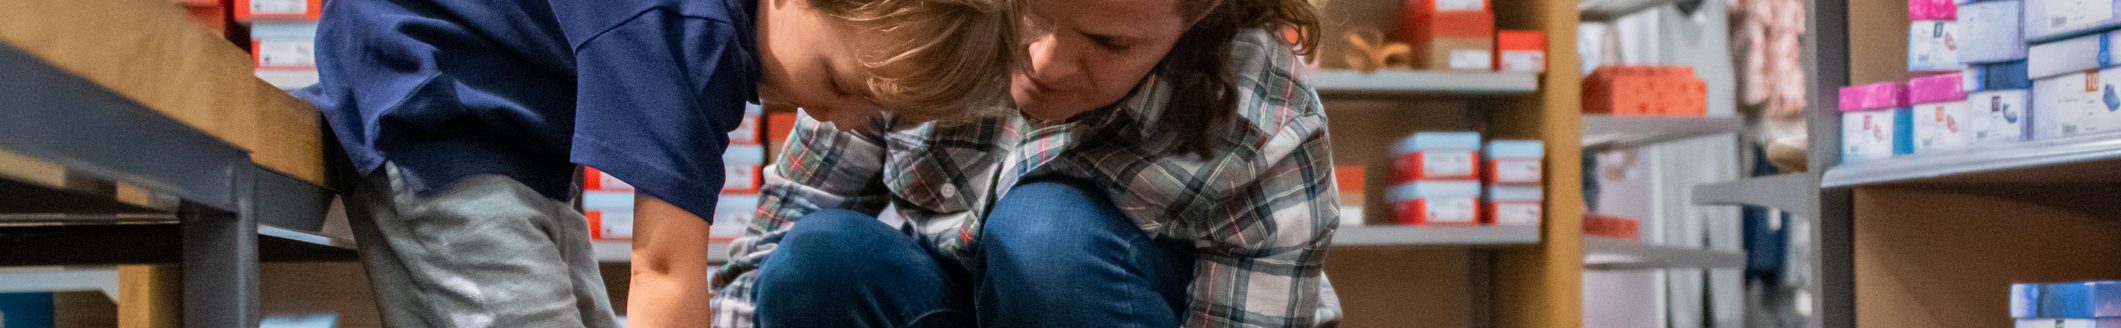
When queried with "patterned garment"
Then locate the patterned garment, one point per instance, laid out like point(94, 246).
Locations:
point(1258, 216)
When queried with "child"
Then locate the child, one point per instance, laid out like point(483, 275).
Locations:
point(464, 120)
point(1169, 167)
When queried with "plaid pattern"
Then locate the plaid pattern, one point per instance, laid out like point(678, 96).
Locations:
point(1258, 216)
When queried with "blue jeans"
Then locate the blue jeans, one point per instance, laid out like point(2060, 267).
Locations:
point(1051, 254)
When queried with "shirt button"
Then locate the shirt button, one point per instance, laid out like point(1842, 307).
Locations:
point(949, 189)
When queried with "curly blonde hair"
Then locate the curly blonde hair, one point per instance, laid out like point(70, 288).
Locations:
point(934, 59)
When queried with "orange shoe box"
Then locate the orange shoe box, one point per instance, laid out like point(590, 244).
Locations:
point(1611, 227)
point(1436, 203)
point(306, 10)
point(1416, 28)
point(1521, 51)
point(1645, 91)
point(1425, 7)
point(1352, 194)
point(1455, 53)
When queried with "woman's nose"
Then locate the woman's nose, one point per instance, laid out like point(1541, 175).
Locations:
point(1053, 61)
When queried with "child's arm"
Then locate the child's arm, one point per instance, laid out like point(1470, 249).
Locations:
point(669, 261)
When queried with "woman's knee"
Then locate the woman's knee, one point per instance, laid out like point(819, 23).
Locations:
point(836, 268)
point(826, 246)
point(1045, 213)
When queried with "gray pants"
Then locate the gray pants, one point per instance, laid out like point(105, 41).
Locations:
point(485, 251)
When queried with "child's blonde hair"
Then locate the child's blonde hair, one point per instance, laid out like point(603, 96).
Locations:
point(937, 59)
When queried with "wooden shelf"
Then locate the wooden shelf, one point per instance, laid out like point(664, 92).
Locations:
point(1384, 236)
point(1416, 83)
point(1601, 253)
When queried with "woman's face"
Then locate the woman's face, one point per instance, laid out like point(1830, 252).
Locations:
point(1086, 54)
point(806, 64)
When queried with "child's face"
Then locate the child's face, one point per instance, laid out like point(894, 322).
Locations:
point(1086, 54)
point(809, 61)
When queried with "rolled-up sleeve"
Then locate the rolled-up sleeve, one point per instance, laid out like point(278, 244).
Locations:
point(658, 92)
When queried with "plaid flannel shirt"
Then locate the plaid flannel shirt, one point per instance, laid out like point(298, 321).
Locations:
point(1258, 216)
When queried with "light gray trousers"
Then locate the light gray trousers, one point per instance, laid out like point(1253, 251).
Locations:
point(485, 251)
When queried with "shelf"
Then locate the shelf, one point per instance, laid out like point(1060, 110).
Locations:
point(621, 251)
point(1608, 131)
point(1497, 235)
point(1614, 254)
point(1605, 10)
point(311, 238)
point(2081, 160)
point(1788, 192)
point(59, 279)
point(1409, 82)
point(92, 177)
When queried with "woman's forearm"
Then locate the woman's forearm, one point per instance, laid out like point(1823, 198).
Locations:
point(669, 286)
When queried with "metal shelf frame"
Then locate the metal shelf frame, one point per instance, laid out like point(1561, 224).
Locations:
point(1826, 59)
point(75, 150)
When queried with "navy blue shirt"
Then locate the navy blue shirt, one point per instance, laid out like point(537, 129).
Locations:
point(646, 90)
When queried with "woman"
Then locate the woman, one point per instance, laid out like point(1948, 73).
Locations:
point(1167, 166)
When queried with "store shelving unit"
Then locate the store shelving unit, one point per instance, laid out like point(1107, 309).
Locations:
point(1410, 82)
point(1926, 240)
point(1492, 235)
point(1603, 132)
point(1616, 254)
point(93, 178)
point(1488, 276)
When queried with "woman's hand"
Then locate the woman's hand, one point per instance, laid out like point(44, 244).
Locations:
point(669, 286)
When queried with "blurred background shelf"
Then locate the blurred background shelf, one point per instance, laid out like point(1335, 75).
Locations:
point(1601, 253)
point(2047, 162)
point(1788, 192)
point(1604, 10)
point(1417, 83)
point(1493, 235)
point(1609, 131)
